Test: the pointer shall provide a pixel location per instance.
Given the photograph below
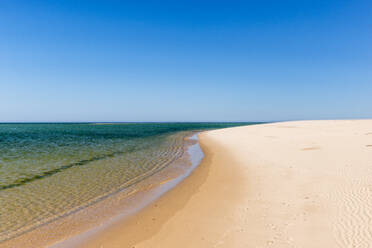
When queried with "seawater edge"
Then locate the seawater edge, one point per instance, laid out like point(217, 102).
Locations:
point(80, 225)
point(195, 156)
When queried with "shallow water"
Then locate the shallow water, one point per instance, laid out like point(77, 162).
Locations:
point(50, 170)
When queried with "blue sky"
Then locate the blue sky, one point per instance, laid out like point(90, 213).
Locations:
point(185, 60)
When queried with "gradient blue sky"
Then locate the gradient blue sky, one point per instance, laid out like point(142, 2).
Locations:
point(185, 60)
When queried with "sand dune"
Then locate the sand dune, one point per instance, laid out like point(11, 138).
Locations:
point(294, 184)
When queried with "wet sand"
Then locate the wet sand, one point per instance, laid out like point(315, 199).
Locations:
point(289, 184)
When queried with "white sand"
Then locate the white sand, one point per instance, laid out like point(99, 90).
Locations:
point(290, 184)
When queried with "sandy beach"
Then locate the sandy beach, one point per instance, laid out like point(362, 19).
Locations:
point(289, 184)
point(186, 124)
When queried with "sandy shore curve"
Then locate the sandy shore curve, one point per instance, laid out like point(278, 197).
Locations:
point(288, 184)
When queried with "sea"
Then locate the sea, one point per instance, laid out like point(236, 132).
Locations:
point(49, 170)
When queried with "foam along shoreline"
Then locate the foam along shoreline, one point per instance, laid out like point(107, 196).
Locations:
point(289, 184)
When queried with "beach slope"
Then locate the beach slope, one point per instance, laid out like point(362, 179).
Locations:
point(288, 184)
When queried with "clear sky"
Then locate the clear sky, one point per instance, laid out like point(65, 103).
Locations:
point(185, 60)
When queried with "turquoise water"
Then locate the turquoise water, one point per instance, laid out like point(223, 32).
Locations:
point(49, 170)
